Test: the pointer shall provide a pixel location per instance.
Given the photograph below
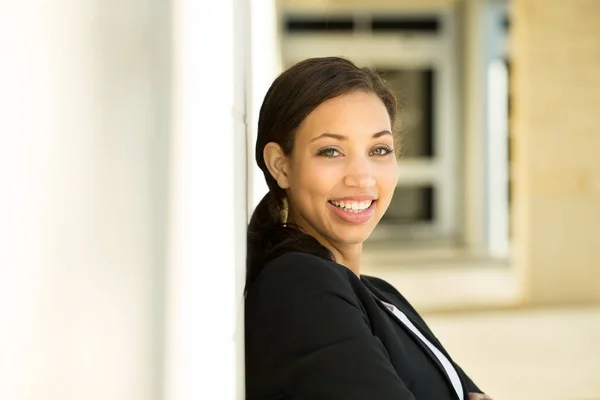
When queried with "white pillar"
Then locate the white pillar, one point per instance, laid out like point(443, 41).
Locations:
point(83, 107)
point(264, 67)
point(208, 202)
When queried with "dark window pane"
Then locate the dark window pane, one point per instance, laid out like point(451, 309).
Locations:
point(407, 25)
point(415, 91)
point(505, 23)
point(319, 24)
point(411, 204)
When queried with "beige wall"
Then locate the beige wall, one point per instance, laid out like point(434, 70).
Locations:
point(557, 143)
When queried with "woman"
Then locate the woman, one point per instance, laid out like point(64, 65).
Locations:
point(315, 327)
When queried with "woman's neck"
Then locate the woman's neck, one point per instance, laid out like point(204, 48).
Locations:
point(349, 256)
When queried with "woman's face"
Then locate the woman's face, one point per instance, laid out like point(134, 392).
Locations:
point(342, 172)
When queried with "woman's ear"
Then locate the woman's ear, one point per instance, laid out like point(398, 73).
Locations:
point(277, 164)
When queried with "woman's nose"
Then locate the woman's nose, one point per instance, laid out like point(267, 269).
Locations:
point(360, 174)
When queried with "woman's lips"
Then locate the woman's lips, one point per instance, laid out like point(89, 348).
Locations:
point(359, 217)
point(357, 198)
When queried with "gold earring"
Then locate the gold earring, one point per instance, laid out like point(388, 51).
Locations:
point(284, 211)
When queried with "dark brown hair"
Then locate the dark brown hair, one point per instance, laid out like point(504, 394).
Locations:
point(291, 97)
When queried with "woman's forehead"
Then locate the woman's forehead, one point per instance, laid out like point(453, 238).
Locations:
point(352, 115)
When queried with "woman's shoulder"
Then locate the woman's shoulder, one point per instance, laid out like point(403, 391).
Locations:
point(379, 284)
point(295, 272)
point(386, 291)
point(301, 261)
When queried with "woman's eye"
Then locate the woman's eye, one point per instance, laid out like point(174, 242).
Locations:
point(329, 152)
point(382, 151)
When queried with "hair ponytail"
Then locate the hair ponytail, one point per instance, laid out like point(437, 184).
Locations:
point(261, 235)
point(268, 238)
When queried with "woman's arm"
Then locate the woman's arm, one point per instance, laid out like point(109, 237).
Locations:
point(312, 335)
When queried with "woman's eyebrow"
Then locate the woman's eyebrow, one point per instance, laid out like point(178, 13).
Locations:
point(381, 133)
point(342, 137)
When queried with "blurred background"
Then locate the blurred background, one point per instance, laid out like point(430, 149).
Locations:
point(127, 178)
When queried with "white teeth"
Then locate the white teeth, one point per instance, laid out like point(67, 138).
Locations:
point(355, 207)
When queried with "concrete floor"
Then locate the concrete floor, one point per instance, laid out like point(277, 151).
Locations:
point(471, 304)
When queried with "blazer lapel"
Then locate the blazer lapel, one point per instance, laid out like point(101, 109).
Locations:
point(379, 297)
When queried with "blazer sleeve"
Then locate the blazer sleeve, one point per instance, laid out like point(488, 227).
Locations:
point(313, 337)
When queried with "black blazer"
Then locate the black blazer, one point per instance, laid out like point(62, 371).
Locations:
point(314, 330)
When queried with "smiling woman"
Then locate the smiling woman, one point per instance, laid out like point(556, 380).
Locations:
point(315, 327)
point(337, 186)
point(305, 156)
